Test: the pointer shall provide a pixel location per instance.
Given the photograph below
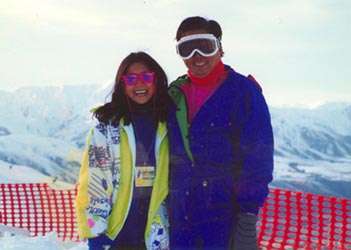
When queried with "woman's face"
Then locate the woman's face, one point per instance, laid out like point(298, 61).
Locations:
point(200, 66)
point(140, 92)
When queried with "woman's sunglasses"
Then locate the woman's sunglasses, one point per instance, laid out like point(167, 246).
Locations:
point(145, 77)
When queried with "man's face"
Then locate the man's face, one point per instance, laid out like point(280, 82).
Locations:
point(200, 66)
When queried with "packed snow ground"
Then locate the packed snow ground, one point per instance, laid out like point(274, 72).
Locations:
point(50, 241)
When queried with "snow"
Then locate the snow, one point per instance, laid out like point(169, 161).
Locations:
point(303, 170)
point(10, 241)
point(313, 176)
point(15, 174)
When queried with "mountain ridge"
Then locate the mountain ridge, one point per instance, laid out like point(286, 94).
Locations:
point(46, 129)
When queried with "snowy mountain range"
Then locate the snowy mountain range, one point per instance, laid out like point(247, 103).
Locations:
point(43, 132)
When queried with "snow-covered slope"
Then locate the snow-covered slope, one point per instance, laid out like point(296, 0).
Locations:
point(16, 173)
point(313, 149)
point(46, 128)
point(321, 134)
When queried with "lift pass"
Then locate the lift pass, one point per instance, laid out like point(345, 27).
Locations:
point(144, 176)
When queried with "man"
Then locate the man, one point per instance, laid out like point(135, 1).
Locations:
point(221, 146)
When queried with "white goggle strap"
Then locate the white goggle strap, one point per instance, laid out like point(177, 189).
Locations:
point(197, 36)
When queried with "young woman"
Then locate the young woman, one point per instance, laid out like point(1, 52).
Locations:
point(123, 179)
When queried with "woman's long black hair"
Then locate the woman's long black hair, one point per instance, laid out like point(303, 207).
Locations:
point(119, 107)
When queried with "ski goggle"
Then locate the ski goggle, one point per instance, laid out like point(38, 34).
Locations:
point(145, 77)
point(204, 44)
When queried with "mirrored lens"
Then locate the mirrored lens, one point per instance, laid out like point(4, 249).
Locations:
point(130, 79)
point(206, 46)
point(147, 77)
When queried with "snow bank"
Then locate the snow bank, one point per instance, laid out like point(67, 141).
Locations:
point(9, 241)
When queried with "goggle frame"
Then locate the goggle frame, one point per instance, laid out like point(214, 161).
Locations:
point(210, 37)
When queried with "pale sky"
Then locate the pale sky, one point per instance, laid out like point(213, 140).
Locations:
point(299, 50)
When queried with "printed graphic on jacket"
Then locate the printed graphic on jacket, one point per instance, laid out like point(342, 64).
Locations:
point(104, 177)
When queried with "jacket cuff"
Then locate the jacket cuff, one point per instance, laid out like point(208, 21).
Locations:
point(250, 208)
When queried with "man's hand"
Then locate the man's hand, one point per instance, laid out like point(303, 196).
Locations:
point(245, 235)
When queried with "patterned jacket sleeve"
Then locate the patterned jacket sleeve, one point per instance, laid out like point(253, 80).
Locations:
point(93, 202)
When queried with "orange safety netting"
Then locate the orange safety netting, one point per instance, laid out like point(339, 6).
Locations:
point(296, 220)
point(289, 220)
point(38, 208)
